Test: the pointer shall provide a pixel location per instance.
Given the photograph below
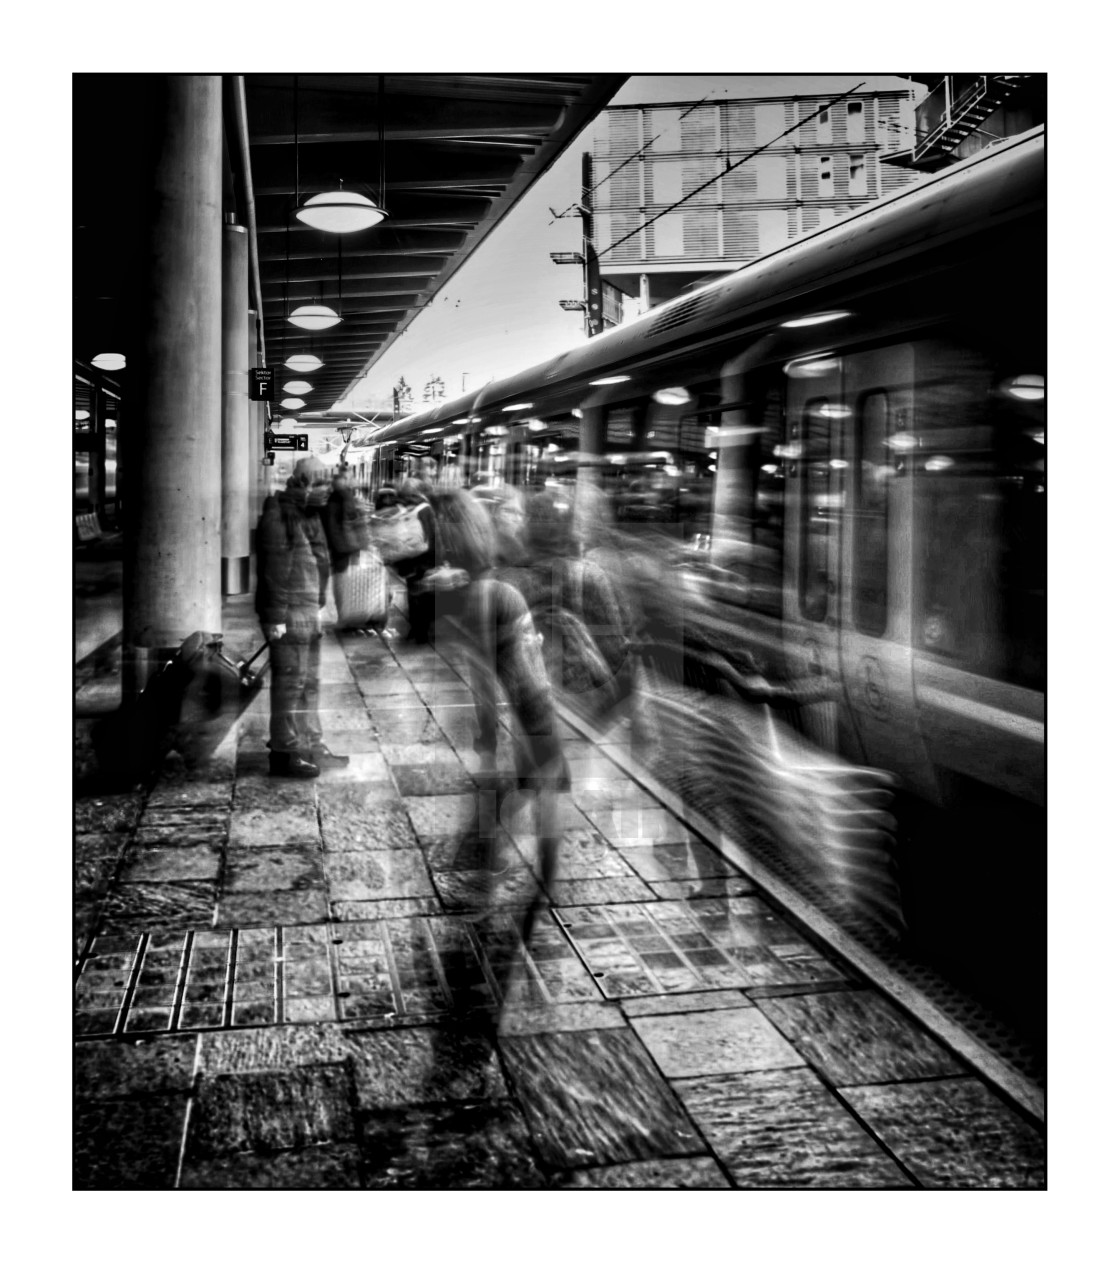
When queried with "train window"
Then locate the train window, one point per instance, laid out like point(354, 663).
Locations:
point(817, 509)
point(979, 486)
point(871, 476)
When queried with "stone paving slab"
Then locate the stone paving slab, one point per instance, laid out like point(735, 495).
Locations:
point(594, 1097)
point(857, 1037)
point(783, 1129)
point(720, 1041)
point(304, 1105)
point(468, 1145)
point(953, 1134)
point(129, 1144)
point(329, 1167)
point(662, 1173)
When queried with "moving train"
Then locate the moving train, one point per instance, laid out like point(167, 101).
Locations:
point(845, 442)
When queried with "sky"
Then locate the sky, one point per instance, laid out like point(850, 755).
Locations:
point(501, 312)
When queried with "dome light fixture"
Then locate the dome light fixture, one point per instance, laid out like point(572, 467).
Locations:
point(303, 363)
point(340, 211)
point(314, 316)
point(298, 388)
point(293, 404)
point(82, 414)
point(672, 396)
point(108, 361)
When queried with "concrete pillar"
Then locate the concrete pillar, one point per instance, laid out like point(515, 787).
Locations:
point(256, 414)
point(643, 294)
point(172, 581)
point(236, 486)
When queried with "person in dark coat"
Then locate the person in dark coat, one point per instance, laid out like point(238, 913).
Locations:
point(293, 568)
point(347, 534)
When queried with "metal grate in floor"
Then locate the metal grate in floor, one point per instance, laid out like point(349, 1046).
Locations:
point(391, 969)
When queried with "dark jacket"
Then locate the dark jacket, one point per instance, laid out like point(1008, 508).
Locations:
point(293, 564)
point(345, 527)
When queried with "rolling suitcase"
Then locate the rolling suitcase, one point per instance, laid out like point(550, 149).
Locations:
point(131, 744)
point(362, 591)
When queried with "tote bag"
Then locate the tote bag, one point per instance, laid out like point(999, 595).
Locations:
point(398, 533)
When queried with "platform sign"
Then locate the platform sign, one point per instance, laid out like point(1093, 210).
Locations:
point(285, 442)
point(261, 385)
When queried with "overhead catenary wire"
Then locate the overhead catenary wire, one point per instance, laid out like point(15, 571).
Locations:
point(731, 167)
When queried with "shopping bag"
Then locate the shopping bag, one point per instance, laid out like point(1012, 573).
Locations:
point(361, 591)
point(398, 533)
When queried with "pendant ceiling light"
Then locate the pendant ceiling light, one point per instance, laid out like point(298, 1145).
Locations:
point(110, 361)
point(340, 212)
point(298, 388)
point(303, 363)
point(293, 404)
point(314, 316)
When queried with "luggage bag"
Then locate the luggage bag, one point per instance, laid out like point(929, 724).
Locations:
point(361, 591)
point(131, 743)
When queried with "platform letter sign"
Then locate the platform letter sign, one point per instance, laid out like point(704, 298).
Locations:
point(285, 442)
point(260, 385)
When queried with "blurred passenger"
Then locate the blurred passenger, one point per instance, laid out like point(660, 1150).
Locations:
point(293, 569)
point(412, 493)
point(386, 497)
point(506, 506)
point(505, 659)
point(586, 641)
point(344, 521)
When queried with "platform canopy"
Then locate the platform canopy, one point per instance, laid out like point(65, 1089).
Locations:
point(447, 155)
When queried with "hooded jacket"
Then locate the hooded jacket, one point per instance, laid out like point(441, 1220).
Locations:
point(293, 563)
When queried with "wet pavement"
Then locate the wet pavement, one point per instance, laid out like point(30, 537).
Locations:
point(278, 983)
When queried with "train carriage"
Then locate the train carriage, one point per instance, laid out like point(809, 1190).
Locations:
point(854, 424)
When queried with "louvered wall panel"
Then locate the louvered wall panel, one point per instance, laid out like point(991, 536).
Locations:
point(613, 227)
point(740, 185)
point(740, 233)
point(738, 127)
point(892, 178)
point(700, 130)
point(697, 171)
point(701, 234)
point(620, 189)
point(622, 135)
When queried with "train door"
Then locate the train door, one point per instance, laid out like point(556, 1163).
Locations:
point(876, 547)
point(811, 608)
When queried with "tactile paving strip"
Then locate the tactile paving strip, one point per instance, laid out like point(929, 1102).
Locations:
point(699, 945)
point(391, 969)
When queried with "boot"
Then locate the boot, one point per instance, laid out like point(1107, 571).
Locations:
point(291, 763)
point(324, 758)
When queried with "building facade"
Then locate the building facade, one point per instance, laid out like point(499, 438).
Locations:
point(685, 190)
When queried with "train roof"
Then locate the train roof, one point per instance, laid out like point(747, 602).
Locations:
point(1000, 183)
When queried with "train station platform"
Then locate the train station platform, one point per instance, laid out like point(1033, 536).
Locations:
point(266, 973)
